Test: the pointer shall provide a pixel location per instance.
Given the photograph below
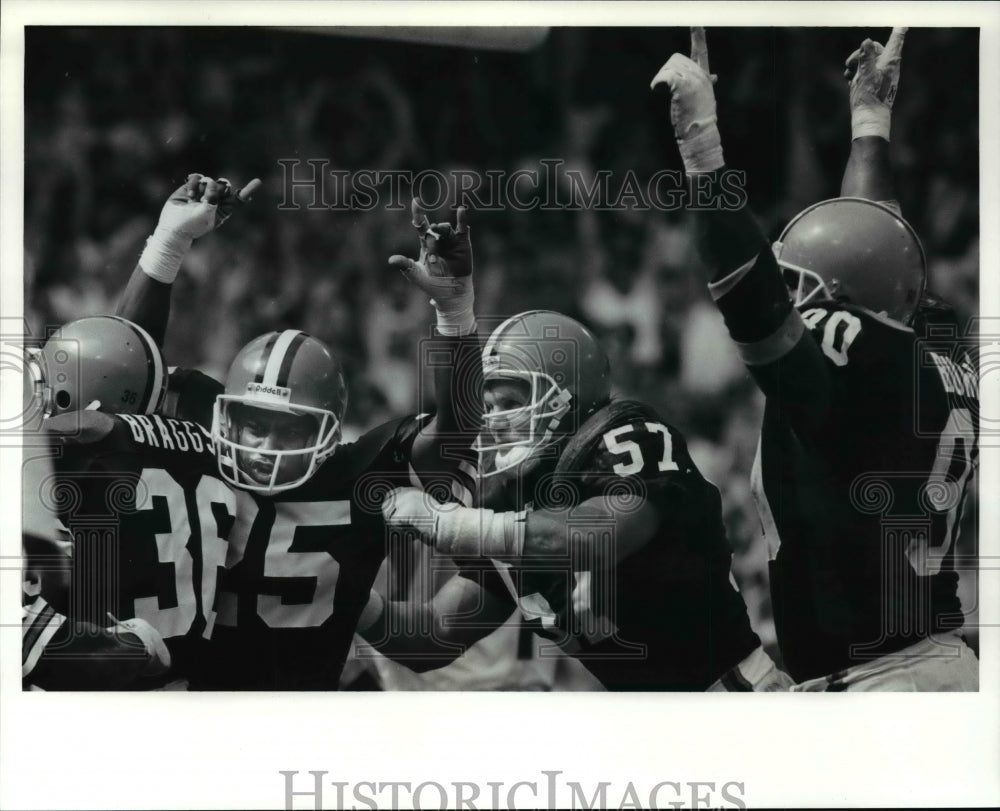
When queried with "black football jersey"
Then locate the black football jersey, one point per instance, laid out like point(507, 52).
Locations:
point(300, 567)
point(191, 396)
point(861, 504)
point(149, 519)
point(667, 616)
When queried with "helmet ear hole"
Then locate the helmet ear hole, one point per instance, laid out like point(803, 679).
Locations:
point(63, 399)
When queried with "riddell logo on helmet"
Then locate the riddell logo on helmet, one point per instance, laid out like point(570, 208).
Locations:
point(282, 392)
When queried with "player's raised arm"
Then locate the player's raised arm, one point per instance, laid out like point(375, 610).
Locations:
point(873, 75)
point(201, 205)
point(443, 270)
point(746, 284)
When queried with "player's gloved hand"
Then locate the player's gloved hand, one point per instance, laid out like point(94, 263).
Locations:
point(199, 206)
point(692, 106)
point(409, 507)
point(455, 530)
point(873, 73)
point(149, 638)
point(443, 269)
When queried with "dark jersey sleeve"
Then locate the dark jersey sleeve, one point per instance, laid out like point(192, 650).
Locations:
point(191, 396)
point(782, 356)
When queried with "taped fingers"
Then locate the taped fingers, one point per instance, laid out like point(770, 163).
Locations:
point(403, 263)
point(699, 48)
point(214, 190)
point(419, 216)
point(894, 45)
point(245, 194)
point(191, 186)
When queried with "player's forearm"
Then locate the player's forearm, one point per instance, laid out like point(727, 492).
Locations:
point(458, 386)
point(596, 531)
point(868, 174)
point(146, 302)
point(580, 532)
point(726, 237)
point(446, 441)
point(771, 338)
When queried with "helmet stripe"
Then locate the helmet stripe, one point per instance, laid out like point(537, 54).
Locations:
point(276, 362)
point(266, 356)
point(290, 353)
point(497, 334)
point(154, 367)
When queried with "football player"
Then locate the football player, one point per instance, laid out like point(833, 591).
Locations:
point(308, 537)
point(61, 653)
point(138, 491)
point(869, 437)
point(594, 522)
point(286, 615)
point(143, 501)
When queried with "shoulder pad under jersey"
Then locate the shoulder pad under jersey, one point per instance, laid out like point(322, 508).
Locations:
point(580, 447)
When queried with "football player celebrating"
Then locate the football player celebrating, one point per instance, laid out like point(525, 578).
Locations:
point(309, 536)
point(287, 612)
point(595, 523)
point(138, 491)
point(91, 361)
point(869, 435)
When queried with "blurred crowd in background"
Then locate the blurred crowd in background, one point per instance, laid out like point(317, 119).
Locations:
point(116, 118)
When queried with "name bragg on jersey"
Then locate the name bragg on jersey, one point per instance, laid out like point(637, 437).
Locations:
point(168, 433)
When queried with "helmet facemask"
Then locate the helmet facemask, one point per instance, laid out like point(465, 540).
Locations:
point(238, 457)
point(804, 286)
point(547, 404)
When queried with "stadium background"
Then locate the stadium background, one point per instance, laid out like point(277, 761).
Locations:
point(116, 118)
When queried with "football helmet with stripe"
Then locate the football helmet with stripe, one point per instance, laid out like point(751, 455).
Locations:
point(566, 375)
point(100, 358)
point(280, 416)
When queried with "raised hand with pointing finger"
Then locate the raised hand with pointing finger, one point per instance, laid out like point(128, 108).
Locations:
point(873, 73)
point(692, 105)
point(200, 205)
point(443, 269)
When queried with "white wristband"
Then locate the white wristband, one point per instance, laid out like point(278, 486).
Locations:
point(875, 119)
point(702, 151)
point(165, 250)
point(468, 532)
point(455, 324)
